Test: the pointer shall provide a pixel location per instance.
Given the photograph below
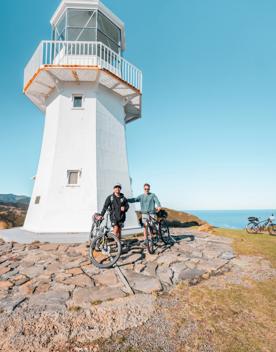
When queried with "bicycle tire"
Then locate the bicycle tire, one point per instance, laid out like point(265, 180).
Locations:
point(252, 228)
point(165, 233)
point(97, 253)
point(92, 235)
point(272, 229)
point(150, 240)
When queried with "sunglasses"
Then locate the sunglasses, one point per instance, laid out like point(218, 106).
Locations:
point(146, 189)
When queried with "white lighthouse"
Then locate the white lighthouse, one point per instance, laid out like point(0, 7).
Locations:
point(88, 93)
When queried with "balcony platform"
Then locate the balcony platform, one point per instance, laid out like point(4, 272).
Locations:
point(57, 62)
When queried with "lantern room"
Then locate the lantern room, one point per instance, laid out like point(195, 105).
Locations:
point(86, 21)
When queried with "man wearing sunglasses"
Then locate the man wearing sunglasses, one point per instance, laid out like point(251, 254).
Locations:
point(118, 206)
point(149, 205)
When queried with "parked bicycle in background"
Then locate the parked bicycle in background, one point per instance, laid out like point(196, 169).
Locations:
point(256, 225)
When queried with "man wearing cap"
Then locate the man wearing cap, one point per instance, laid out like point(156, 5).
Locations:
point(118, 206)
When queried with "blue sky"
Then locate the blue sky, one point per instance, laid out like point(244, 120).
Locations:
point(207, 136)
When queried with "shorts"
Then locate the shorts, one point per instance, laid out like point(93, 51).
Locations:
point(145, 217)
point(117, 223)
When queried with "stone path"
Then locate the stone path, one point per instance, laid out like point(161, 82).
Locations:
point(59, 276)
point(56, 290)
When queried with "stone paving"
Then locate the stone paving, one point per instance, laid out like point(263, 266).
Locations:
point(57, 277)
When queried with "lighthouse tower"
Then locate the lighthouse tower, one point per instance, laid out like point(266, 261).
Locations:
point(88, 93)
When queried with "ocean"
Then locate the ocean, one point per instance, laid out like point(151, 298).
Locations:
point(232, 219)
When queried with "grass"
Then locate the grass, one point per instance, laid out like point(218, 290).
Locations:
point(236, 319)
point(258, 245)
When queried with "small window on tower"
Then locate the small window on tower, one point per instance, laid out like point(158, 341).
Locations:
point(73, 177)
point(77, 101)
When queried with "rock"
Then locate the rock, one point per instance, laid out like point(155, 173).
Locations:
point(196, 254)
point(190, 264)
point(79, 280)
point(190, 274)
point(21, 281)
point(4, 285)
point(4, 270)
point(91, 270)
point(210, 253)
point(81, 250)
point(9, 304)
point(74, 271)
point(73, 264)
point(27, 288)
point(107, 278)
point(49, 247)
point(60, 277)
point(165, 275)
point(138, 268)
point(130, 258)
point(6, 248)
point(62, 248)
point(228, 255)
point(10, 274)
point(142, 283)
point(211, 265)
point(169, 258)
point(53, 268)
point(32, 271)
point(18, 247)
point(151, 257)
point(86, 297)
point(53, 298)
point(61, 287)
point(178, 267)
point(150, 269)
point(42, 288)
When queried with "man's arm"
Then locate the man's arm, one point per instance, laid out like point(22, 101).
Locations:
point(126, 205)
point(134, 200)
point(156, 200)
point(106, 205)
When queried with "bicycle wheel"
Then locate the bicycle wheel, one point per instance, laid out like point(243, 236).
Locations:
point(272, 229)
point(150, 239)
point(105, 250)
point(252, 228)
point(165, 233)
point(92, 233)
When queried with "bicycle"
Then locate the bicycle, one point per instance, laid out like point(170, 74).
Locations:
point(156, 230)
point(105, 248)
point(256, 226)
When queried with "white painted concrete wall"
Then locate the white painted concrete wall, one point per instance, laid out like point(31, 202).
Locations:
point(91, 139)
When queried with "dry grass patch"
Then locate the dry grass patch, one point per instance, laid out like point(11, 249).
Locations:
point(258, 245)
point(236, 319)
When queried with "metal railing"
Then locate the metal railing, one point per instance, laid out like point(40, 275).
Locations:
point(65, 53)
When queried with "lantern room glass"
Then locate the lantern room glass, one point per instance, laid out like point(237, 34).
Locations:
point(88, 25)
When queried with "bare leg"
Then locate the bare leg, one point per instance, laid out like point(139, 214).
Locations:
point(117, 231)
point(145, 233)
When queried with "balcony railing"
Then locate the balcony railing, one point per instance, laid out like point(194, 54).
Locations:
point(65, 53)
